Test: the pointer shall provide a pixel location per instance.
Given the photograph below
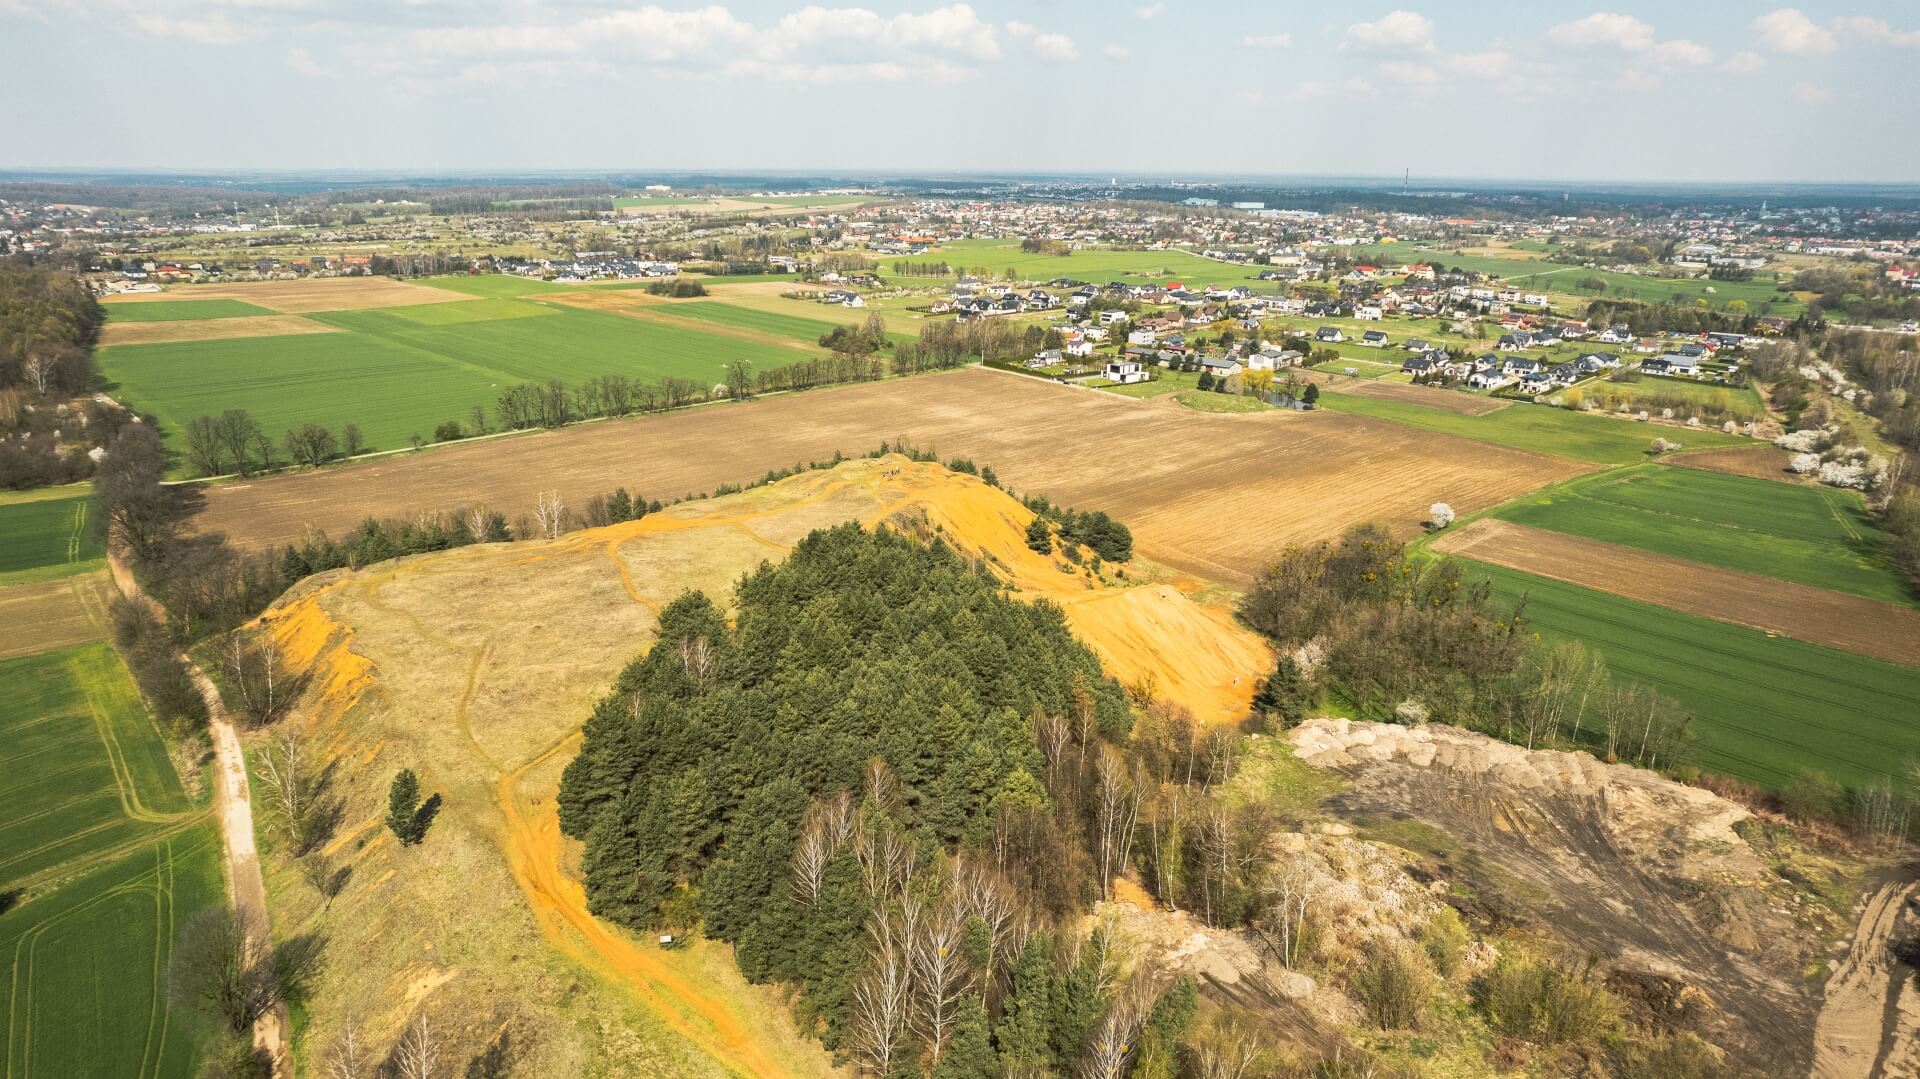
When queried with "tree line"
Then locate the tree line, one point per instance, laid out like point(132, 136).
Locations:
point(49, 322)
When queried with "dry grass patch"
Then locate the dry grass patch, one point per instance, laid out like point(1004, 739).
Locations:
point(213, 329)
point(1760, 462)
point(47, 615)
point(307, 294)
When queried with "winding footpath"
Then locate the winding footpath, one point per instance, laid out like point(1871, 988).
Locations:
point(233, 805)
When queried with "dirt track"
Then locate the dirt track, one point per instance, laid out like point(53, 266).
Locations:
point(1835, 619)
point(1214, 495)
point(53, 614)
point(1869, 1023)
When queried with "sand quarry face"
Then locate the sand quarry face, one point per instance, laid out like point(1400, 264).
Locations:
point(476, 668)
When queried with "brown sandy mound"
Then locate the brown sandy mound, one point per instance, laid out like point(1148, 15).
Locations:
point(1835, 619)
point(476, 667)
point(1647, 875)
point(210, 329)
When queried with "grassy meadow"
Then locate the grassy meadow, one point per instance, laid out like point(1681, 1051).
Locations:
point(106, 857)
point(396, 372)
point(44, 535)
point(1538, 275)
point(998, 256)
point(1765, 708)
point(1818, 536)
point(1543, 429)
point(180, 310)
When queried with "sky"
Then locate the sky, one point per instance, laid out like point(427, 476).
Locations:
point(1708, 90)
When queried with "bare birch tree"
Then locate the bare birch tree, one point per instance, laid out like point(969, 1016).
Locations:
point(291, 789)
point(418, 1054)
point(942, 978)
point(551, 514)
point(1117, 795)
point(346, 1054)
point(881, 997)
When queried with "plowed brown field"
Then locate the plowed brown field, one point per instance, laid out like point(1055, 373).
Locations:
point(1761, 462)
point(1214, 495)
point(1810, 614)
point(309, 294)
point(1466, 404)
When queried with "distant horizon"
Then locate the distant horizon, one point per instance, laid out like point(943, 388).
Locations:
point(825, 174)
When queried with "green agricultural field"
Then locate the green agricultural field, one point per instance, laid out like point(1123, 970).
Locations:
point(180, 310)
point(1560, 278)
point(796, 327)
point(1163, 383)
point(1817, 536)
point(494, 284)
point(1098, 267)
point(1208, 401)
point(42, 538)
point(1581, 436)
point(1765, 708)
point(1650, 391)
point(104, 858)
point(401, 371)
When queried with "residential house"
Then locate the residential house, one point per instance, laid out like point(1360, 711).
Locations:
point(1329, 335)
point(1367, 313)
point(1374, 339)
point(1124, 372)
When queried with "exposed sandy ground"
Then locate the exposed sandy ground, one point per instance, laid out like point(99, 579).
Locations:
point(45, 615)
point(1762, 462)
point(477, 666)
point(1869, 1024)
point(1213, 495)
point(210, 329)
point(1446, 400)
point(233, 807)
point(307, 294)
point(1835, 619)
point(1646, 875)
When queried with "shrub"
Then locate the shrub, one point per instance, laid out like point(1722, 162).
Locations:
point(1394, 984)
point(1541, 1002)
point(447, 432)
point(1445, 939)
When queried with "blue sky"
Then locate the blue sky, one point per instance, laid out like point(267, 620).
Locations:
point(1700, 90)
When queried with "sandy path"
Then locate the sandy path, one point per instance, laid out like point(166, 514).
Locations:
point(1835, 619)
point(233, 805)
point(1869, 1024)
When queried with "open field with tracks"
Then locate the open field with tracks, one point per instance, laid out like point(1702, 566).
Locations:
point(180, 310)
point(1540, 428)
point(1834, 619)
point(39, 615)
point(45, 535)
point(997, 256)
point(1216, 495)
point(1455, 401)
point(106, 858)
point(1764, 462)
point(1765, 707)
point(1822, 537)
point(293, 297)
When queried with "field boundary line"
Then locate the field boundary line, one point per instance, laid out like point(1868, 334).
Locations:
point(1821, 616)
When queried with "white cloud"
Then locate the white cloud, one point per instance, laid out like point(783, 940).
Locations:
point(1148, 11)
point(210, 29)
point(1051, 46)
point(1808, 94)
point(1488, 62)
point(1682, 51)
point(1117, 52)
point(1876, 31)
point(1604, 28)
point(1394, 30)
point(1268, 41)
point(1788, 30)
point(303, 63)
point(1409, 74)
point(857, 33)
point(1744, 63)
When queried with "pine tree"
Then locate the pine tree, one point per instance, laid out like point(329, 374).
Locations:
point(620, 505)
point(1286, 694)
point(1024, 1029)
point(969, 1055)
point(1039, 537)
point(403, 807)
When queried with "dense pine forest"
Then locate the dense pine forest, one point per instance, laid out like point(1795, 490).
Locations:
point(887, 784)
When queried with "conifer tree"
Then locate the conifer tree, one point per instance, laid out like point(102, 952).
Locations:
point(403, 807)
